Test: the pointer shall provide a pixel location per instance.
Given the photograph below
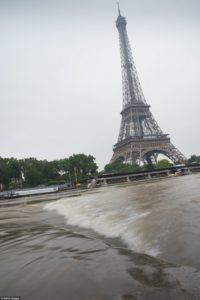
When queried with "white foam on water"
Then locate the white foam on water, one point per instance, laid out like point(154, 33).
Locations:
point(3, 233)
point(108, 214)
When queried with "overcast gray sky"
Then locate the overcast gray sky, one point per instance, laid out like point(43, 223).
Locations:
point(60, 74)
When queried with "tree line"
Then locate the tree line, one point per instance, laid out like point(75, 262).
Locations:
point(78, 168)
point(30, 172)
point(194, 159)
point(119, 167)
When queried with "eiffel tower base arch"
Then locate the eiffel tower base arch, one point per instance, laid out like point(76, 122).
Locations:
point(142, 151)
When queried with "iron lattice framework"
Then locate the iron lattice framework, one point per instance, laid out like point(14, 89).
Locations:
point(140, 138)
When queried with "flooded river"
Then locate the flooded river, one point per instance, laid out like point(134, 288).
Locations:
point(125, 242)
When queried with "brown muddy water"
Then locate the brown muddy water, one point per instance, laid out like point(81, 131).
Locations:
point(127, 242)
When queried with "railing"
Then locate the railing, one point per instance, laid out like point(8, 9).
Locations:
point(148, 174)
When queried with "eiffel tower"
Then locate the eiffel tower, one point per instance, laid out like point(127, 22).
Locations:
point(140, 138)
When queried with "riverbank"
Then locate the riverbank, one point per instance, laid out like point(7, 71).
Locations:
point(32, 199)
point(40, 198)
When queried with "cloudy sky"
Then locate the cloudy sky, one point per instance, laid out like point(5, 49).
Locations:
point(60, 74)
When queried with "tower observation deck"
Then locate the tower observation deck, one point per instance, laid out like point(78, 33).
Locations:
point(140, 138)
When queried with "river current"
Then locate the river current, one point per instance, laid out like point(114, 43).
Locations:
point(126, 242)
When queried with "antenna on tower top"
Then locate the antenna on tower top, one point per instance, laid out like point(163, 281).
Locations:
point(118, 9)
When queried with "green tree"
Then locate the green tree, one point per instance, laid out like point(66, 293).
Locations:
point(40, 172)
point(4, 172)
point(194, 159)
point(10, 172)
point(15, 174)
point(35, 172)
point(163, 163)
point(119, 167)
point(82, 166)
point(31, 168)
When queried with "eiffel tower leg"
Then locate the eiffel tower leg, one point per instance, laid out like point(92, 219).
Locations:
point(149, 159)
point(175, 155)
